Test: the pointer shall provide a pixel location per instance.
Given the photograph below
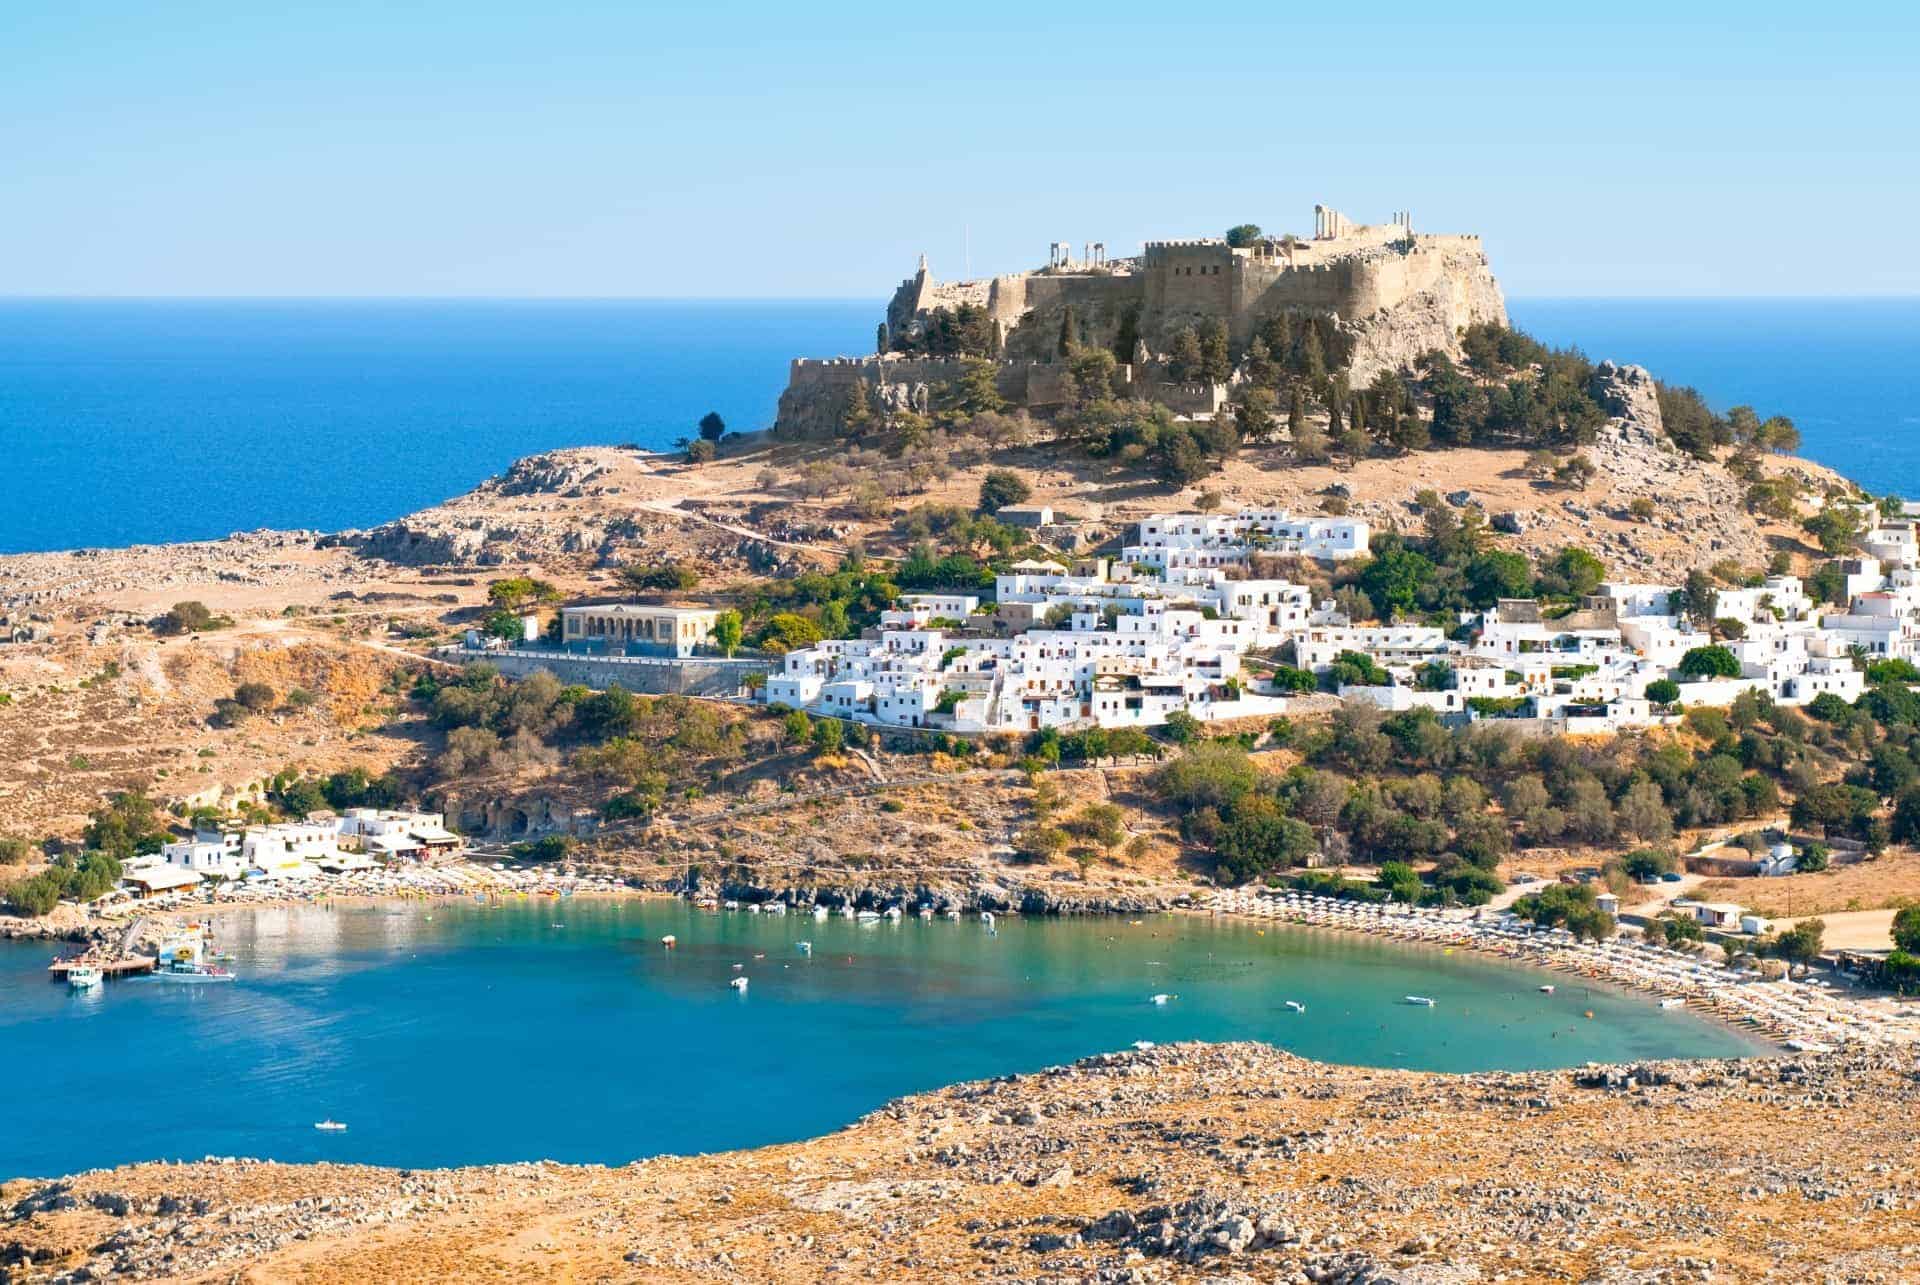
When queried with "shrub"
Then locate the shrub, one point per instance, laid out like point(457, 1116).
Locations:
point(1002, 487)
point(1711, 661)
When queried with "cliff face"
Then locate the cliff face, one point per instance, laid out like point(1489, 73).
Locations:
point(1463, 294)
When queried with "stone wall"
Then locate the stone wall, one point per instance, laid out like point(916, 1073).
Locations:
point(654, 676)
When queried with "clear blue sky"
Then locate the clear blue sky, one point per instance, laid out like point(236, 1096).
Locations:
point(388, 147)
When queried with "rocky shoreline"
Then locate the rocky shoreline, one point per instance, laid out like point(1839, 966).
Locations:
point(1183, 1162)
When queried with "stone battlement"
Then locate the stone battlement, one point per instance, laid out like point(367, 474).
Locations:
point(1389, 292)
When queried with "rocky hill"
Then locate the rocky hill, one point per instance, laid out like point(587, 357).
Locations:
point(1187, 1162)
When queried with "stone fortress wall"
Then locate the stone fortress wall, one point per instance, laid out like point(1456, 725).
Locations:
point(1392, 292)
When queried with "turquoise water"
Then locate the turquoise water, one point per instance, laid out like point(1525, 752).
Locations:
point(562, 1029)
point(150, 420)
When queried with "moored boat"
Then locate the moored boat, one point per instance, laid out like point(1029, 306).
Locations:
point(1420, 1001)
point(84, 977)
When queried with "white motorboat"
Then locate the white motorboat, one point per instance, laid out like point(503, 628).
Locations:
point(1420, 1000)
point(821, 912)
point(1672, 1001)
point(1294, 1006)
point(953, 914)
point(738, 983)
point(331, 1126)
point(1162, 999)
point(84, 977)
point(669, 941)
point(1546, 990)
point(806, 947)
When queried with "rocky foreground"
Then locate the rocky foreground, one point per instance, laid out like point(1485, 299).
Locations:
point(1222, 1162)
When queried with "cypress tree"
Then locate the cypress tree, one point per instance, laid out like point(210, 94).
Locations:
point(1068, 335)
point(1296, 414)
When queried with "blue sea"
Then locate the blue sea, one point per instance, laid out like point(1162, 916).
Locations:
point(152, 420)
point(455, 1033)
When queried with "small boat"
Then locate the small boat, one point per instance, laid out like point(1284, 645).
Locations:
point(84, 977)
point(1672, 1001)
point(806, 947)
point(774, 908)
point(848, 912)
point(738, 983)
point(331, 1126)
point(1143, 1045)
point(1294, 1006)
point(754, 909)
point(669, 941)
point(1162, 999)
point(1420, 1000)
point(868, 916)
point(821, 912)
point(986, 916)
point(926, 912)
point(1546, 990)
point(732, 905)
point(953, 914)
point(893, 913)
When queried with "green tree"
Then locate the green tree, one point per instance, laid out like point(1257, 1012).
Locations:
point(712, 427)
point(828, 736)
point(503, 625)
point(1835, 528)
point(1184, 359)
point(1712, 661)
point(1242, 235)
point(127, 826)
point(1800, 944)
point(726, 632)
point(1572, 573)
point(1393, 578)
point(1001, 487)
point(1663, 691)
point(1497, 574)
point(1906, 929)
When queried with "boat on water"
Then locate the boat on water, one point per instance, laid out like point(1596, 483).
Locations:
point(330, 1126)
point(893, 913)
point(869, 916)
point(953, 914)
point(775, 908)
point(669, 940)
point(848, 912)
point(193, 973)
point(806, 947)
point(1546, 990)
point(1672, 1001)
point(821, 912)
point(84, 977)
point(926, 912)
point(1420, 1001)
point(986, 916)
point(1294, 1006)
point(738, 983)
point(1162, 999)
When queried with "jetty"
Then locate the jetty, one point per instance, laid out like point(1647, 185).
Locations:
point(118, 960)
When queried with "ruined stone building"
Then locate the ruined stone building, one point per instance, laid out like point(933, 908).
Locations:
point(1388, 292)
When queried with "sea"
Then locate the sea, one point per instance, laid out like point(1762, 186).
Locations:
point(138, 421)
point(448, 1033)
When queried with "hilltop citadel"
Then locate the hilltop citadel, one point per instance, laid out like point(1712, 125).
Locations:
point(1383, 293)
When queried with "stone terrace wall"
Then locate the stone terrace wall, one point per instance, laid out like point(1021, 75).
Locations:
point(651, 675)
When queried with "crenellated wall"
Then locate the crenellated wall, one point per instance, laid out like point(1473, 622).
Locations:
point(1391, 292)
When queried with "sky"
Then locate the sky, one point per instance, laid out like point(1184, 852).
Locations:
point(733, 149)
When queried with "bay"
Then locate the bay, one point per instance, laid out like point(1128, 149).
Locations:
point(456, 1033)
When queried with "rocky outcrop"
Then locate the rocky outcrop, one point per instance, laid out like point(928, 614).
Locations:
point(1631, 398)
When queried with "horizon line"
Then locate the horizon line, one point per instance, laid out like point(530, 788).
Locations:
point(48, 297)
